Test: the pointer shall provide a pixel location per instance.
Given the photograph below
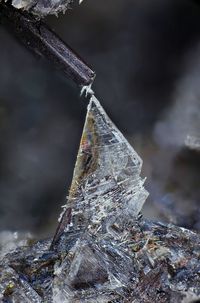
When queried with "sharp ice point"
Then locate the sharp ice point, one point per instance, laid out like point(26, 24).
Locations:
point(106, 185)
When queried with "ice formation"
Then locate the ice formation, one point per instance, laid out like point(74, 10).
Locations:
point(103, 250)
point(106, 185)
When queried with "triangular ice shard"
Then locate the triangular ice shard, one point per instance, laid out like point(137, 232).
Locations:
point(106, 183)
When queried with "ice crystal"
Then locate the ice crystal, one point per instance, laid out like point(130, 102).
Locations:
point(104, 251)
point(106, 185)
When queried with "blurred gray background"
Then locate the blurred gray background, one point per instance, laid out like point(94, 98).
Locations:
point(146, 55)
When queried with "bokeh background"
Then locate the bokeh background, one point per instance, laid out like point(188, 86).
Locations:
point(146, 55)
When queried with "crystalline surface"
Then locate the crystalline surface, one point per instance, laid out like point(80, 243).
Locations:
point(102, 250)
point(43, 7)
point(106, 185)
